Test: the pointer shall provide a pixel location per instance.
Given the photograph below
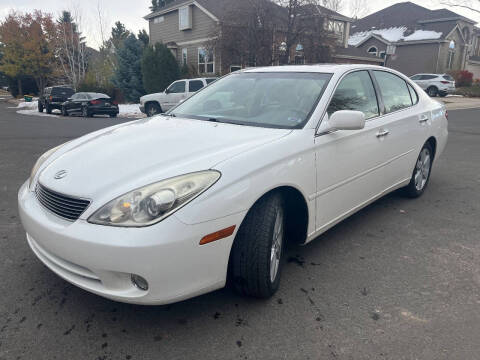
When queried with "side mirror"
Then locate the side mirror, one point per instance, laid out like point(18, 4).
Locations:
point(343, 120)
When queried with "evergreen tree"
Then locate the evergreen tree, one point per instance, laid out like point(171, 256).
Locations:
point(119, 34)
point(143, 37)
point(158, 4)
point(159, 68)
point(128, 74)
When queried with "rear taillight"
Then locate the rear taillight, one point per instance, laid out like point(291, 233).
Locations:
point(445, 82)
point(50, 98)
point(95, 102)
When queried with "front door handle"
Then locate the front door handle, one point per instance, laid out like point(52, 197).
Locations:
point(423, 119)
point(382, 133)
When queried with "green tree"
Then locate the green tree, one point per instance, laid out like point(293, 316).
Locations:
point(143, 37)
point(159, 68)
point(119, 34)
point(128, 73)
point(158, 4)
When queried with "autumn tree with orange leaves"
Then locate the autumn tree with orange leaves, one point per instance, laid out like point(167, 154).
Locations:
point(29, 47)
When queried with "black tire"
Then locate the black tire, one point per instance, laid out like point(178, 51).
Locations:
point(442, 94)
point(64, 111)
point(40, 107)
point(85, 112)
point(153, 109)
point(432, 91)
point(250, 261)
point(113, 115)
point(412, 190)
point(48, 109)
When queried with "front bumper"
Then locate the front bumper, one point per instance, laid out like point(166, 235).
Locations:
point(101, 259)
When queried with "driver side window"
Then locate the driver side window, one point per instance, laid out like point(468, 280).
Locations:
point(176, 88)
point(355, 92)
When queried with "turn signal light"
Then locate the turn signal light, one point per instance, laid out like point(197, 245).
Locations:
point(217, 235)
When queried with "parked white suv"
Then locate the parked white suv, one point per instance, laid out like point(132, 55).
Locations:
point(178, 91)
point(435, 84)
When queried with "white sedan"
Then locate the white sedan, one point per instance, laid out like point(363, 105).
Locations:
point(162, 209)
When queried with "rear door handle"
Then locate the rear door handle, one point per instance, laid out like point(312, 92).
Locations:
point(382, 133)
point(423, 119)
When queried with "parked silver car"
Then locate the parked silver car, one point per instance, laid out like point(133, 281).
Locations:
point(435, 84)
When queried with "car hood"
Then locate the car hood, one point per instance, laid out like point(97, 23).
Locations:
point(124, 157)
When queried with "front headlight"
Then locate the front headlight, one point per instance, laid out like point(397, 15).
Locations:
point(153, 203)
point(41, 160)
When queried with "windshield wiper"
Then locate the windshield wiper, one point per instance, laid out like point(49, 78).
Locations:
point(171, 115)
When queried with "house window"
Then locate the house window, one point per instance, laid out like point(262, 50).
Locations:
point(184, 56)
point(373, 51)
point(185, 18)
point(158, 20)
point(206, 61)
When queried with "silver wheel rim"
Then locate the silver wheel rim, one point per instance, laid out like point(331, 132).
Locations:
point(84, 112)
point(152, 111)
point(422, 169)
point(276, 250)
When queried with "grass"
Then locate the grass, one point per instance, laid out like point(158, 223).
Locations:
point(471, 91)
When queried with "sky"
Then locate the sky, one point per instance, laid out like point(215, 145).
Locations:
point(131, 12)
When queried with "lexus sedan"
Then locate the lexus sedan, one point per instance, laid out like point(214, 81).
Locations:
point(169, 207)
point(88, 104)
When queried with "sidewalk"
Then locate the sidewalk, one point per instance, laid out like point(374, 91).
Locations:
point(459, 102)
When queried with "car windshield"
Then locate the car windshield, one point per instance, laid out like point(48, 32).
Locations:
point(275, 99)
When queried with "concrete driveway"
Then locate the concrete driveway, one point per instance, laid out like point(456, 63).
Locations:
point(398, 280)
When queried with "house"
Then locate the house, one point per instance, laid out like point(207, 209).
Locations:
point(189, 29)
point(413, 39)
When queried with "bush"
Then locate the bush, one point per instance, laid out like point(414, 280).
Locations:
point(462, 78)
point(90, 84)
point(470, 91)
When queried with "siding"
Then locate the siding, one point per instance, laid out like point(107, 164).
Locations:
point(414, 59)
point(203, 26)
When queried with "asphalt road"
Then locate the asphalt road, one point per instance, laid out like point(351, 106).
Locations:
point(398, 280)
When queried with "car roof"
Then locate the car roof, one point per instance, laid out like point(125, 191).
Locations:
point(320, 68)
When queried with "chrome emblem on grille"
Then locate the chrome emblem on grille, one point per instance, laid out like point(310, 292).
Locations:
point(60, 175)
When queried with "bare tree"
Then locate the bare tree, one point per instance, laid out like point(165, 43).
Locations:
point(473, 5)
point(71, 48)
point(335, 5)
point(358, 8)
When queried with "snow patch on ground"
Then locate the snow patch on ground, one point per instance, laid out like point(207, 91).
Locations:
point(130, 110)
point(31, 108)
point(394, 34)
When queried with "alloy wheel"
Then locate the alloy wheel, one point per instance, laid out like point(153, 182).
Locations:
point(422, 169)
point(277, 244)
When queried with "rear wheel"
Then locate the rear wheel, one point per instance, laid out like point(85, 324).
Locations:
point(153, 109)
point(257, 253)
point(421, 173)
point(432, 91)
point(442, 94)
point(85, 112)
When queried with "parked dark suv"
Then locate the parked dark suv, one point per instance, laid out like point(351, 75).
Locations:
point(53, 98)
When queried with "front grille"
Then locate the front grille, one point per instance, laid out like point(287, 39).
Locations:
point(65, 206)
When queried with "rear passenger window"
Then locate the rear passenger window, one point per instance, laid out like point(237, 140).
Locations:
point(395, 93)
point(413, 94)
point(195, 85)
point(355, 92)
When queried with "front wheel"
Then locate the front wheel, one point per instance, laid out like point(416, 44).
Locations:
point(48, 109)
point(257, 252)
point(421, 173)
point(40, 107)
point(64, 111)
point(153, 109)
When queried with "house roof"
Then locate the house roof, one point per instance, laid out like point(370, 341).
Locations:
point(221, 9)
point(354, 52)
point(405, 14)
point(405, 22)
